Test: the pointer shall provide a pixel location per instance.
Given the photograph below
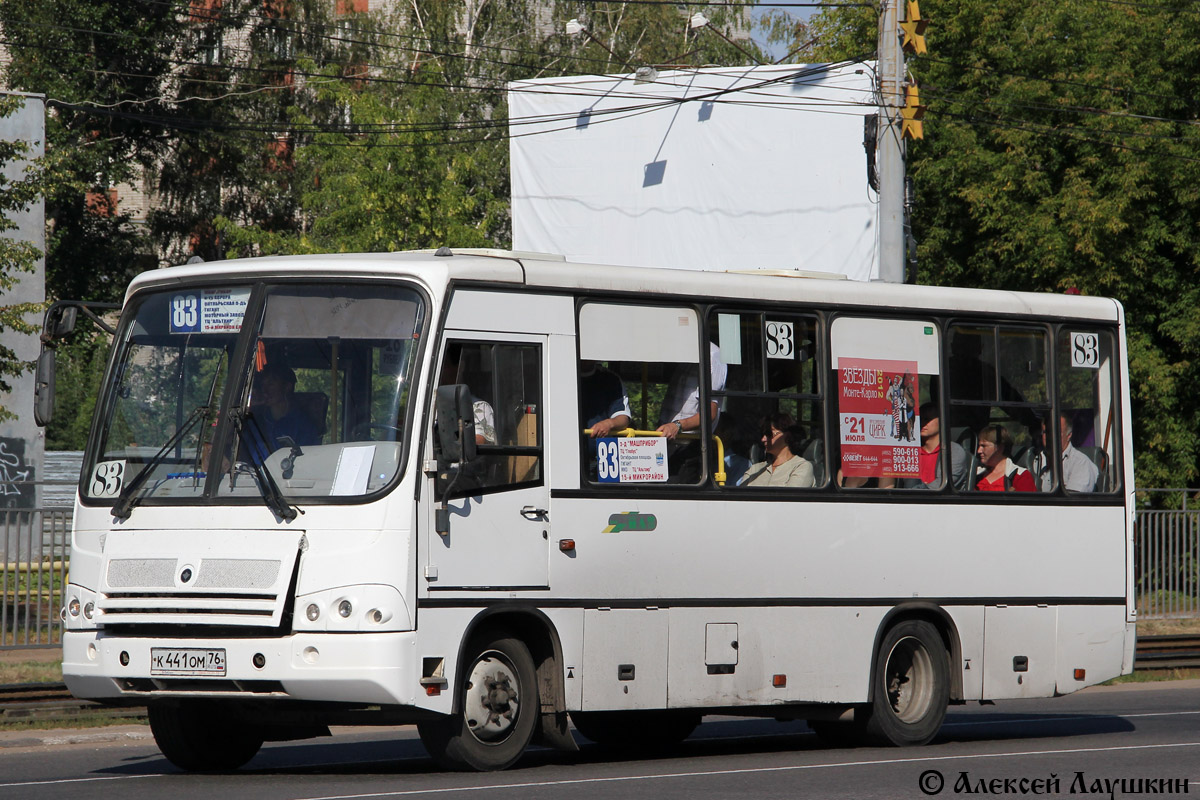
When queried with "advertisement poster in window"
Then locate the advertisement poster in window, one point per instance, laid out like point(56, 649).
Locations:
point(879, 424)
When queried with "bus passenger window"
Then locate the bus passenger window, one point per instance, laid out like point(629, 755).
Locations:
point(1087, 431)
point(886, 378)
point(999, 398)
point(770, 430)
point(641, 400)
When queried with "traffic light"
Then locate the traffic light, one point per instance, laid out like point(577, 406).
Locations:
point(914, 29)
point(912, 113)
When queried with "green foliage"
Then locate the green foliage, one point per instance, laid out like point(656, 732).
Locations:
point(1061, 152)
point(79, 367)
point(104, 67)
point(16, 257)
point(423, 157)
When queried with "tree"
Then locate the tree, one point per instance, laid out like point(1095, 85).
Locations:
point(104, 66)
point(1061, 152)
point(421, 158)
point(16, 257)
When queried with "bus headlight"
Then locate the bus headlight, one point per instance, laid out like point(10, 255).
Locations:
point(73, 607)
point(89, 609)
point(364, 607)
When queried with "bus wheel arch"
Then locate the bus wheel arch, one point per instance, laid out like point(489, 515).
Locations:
point(946, 628)
point(540, 636)
point(911, 679)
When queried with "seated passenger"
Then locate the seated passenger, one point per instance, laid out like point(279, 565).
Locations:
point(485, 416)
point(997, 472)
point(929, 456)
point(781, 438)
point(681, 407)
point(1079, 473)
point(603, 398)
point(273, 414)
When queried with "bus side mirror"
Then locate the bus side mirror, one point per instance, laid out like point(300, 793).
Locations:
point(455, 423)
point(43, 389)
point(63, 322)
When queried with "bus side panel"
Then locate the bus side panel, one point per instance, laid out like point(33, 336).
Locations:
point(1091, 638)
point(825, 654)
point(1019, 651)
point(968, 621)
point(624, 659)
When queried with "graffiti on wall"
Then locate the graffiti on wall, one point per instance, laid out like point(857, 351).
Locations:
point(16, 475)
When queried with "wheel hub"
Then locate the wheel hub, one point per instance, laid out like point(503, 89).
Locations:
point(909, 679)
point(492, 699)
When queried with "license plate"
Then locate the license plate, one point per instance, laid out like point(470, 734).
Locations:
point(187, 661)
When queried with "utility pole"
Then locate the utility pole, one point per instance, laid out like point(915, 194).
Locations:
point(891, 145)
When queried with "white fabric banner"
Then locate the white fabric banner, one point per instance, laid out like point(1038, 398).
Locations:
point(713, 169)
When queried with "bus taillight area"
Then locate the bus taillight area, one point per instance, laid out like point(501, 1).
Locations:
point(368, 668)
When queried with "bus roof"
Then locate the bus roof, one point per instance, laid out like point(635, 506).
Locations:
point(537, 270)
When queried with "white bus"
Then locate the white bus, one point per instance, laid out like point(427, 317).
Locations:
point(489, 492)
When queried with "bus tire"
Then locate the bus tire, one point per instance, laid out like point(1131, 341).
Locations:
point(643, 730)
point(498, 710)
point(202, 737)
point(911, 683)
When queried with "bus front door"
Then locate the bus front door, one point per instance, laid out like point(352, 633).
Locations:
point(498, 511)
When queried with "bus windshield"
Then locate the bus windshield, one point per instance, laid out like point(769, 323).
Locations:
point(311, 394)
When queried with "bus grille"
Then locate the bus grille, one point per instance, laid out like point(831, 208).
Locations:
point(220, 592)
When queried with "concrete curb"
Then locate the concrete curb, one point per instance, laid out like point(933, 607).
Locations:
point(68, 736)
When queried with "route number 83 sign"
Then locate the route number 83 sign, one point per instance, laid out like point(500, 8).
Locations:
point(1085, 350)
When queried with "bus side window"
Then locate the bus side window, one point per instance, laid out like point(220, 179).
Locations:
point(886, 377)
point(771, 425)
point(1088, 431)
point(999, 398)
point(640, 394)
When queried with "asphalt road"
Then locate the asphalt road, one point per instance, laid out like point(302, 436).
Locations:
point(1082, 745)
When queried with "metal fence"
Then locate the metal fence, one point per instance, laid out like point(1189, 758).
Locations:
point(35, 555)
point(1166, 556)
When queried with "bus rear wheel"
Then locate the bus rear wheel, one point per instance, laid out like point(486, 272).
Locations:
point(911, 686)
point(498, 708)
point(642, 730)
point(197, 736)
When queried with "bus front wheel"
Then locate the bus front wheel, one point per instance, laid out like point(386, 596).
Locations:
point(202, 737)
point(498, 708)
point(911, 686)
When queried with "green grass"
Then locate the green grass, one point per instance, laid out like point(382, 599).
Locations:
point(1154, 675)
point(22, 582)
point(31, 672)
point(97, 719)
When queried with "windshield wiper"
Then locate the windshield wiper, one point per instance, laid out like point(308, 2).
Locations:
point(271, 494)
point(212, 393)
point(129, 497)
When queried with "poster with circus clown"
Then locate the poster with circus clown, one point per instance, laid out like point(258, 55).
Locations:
point(878, 418)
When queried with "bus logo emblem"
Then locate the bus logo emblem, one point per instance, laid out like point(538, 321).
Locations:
point(631, 521)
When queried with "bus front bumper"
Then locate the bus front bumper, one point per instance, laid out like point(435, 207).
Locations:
point(373, 668)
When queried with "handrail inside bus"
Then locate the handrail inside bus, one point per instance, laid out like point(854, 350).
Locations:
point(629, 433)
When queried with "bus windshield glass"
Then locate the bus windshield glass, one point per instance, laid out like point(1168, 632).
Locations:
point(317, 397)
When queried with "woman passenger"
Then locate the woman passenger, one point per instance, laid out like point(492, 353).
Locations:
point(997, 472)
point(782, 467)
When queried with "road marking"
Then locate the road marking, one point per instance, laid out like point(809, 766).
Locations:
point(747, 771)
point(82, 780)
point(1082, 716)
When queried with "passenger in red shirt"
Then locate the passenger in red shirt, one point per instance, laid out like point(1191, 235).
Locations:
point(997, 472)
